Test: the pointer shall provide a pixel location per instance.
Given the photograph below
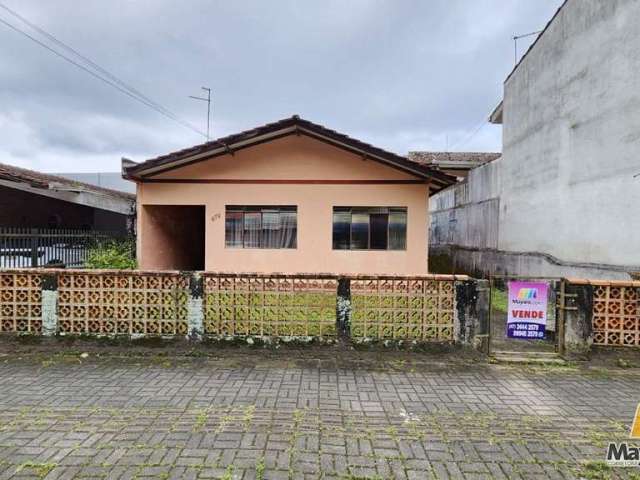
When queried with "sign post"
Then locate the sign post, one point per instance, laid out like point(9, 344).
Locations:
point(527, 310)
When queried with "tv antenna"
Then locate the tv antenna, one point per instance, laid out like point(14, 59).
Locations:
point(515, 43)
point(208, 100)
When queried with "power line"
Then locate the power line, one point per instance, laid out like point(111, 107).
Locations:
point(111, 79)
point(484, 121)
point(78, 54)
point(473, 133)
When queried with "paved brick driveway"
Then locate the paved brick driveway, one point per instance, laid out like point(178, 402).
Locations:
point(260, 416)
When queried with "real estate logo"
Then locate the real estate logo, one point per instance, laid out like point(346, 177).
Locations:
point(625, 455)
point(527, 293)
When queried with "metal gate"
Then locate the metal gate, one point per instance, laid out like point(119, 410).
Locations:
point(500, 342)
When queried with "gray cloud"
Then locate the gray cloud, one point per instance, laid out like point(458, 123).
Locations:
point(400, 74)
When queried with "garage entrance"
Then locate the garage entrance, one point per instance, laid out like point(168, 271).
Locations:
point(172, 237)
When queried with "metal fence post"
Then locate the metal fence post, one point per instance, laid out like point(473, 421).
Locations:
point(34, 247)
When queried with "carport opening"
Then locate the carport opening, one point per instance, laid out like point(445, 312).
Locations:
point(173, 237)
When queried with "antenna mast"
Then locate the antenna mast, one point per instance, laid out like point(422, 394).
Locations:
point(515, 43)
point(208, 100)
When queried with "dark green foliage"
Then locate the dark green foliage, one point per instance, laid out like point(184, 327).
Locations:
point(113, 254)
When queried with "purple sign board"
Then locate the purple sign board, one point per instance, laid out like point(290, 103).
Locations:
point(527, 310)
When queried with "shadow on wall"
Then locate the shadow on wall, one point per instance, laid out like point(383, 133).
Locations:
point(441, 263)
point(173, 237)
point(482, 263)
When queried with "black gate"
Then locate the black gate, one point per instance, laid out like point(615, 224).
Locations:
point(40, 247)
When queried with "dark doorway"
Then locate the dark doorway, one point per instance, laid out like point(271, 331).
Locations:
point(173, 237)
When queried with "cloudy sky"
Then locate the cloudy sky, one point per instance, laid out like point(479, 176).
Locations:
point(404, 75)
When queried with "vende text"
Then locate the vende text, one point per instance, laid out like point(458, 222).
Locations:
point(527, 314)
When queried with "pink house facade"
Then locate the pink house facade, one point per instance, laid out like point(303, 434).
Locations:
point(289, 197)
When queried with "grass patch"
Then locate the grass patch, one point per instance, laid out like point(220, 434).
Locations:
point(499, 300)
point(228, 474)
point(40, 469)
point(201, 421)
point(594, 471)
point(260, 469)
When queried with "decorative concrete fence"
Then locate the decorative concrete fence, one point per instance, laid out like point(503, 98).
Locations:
point(441, 308)
point(422, 309)
point(602, 313)
point(273, 305)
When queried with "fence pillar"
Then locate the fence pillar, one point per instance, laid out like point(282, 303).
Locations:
point(578, 320)
point(49, 305)
point(343, 306)
point(471, 323)
point(195, 311)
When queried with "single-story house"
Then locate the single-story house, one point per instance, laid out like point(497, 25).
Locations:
point(30, 199)
point(290, 196)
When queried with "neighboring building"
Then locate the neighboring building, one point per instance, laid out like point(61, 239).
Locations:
point(290, 196)
point(565, 196)
point(39, 200)
point(110, 180)
point(457, 164)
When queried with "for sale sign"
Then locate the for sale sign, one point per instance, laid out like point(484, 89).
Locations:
point(527, 315)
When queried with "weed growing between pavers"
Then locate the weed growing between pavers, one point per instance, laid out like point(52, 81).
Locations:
point(597, 470)
point(260, 468)
point(260, 412)
point(201, 420)
point(444, 428)
point(228, 474)
point(40, 469)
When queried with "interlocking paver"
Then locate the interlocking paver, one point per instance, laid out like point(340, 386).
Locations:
point(244, 417)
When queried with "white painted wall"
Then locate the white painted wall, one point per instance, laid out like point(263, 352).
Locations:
point(571, 138)
point(565, 184)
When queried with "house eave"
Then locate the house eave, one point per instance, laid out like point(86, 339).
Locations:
point(496, 115)
point(78, 196)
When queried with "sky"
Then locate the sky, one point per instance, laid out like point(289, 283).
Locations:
point(403, 75)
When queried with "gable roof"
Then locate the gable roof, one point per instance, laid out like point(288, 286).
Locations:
point(271, 131)
point(55, 182)
point(453, 160)
point(66, 189)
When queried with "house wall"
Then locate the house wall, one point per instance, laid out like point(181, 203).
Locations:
point(291, 158)
point(564, 190)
